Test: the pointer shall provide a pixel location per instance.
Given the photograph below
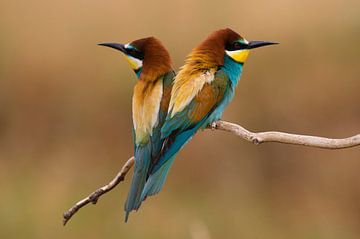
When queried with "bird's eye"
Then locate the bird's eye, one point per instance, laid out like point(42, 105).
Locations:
point(235, 46)
point(131, 51)
point(135, 53)
point(239, 46)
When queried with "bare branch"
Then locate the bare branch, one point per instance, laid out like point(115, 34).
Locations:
point(94, 196)
point(255, 138)
point(286, 138)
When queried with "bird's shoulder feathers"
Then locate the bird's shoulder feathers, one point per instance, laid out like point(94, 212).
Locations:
point(186, 86)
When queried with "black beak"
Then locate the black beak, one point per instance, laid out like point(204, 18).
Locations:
point(256, 44)
point(116, 46)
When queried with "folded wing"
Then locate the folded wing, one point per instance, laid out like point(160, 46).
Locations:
point(188, 111)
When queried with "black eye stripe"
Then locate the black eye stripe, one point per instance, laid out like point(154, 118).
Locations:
point(236, 46)
point(135, 53)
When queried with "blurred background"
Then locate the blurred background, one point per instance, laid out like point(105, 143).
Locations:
point(65, 121)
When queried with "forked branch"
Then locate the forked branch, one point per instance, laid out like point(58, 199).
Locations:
point(256, 138)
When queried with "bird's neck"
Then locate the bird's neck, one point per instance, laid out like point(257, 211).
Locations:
point(233, 69)
point(138, 72)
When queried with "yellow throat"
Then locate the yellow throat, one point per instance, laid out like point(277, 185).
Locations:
point(135, 64)
point(239, 55)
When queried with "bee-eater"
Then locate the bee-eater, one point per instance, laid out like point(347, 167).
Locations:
point(152, 65)
point(202, 89)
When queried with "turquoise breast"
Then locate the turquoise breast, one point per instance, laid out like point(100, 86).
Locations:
point(232, 70)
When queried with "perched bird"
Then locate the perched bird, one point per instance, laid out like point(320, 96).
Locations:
point(152, 65)
point(202, 89)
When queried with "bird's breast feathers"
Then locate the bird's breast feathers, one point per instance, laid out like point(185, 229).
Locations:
point(186, 87)
point(146, 104)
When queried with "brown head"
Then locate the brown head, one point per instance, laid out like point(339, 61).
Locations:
point(146, 56)
point(211, 52)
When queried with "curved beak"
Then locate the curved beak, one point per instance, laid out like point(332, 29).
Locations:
point(256, 44)
point(117, 46)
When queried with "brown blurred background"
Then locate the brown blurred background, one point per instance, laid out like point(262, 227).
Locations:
point(65, 121)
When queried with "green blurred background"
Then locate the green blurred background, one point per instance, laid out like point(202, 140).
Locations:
point(65, 121)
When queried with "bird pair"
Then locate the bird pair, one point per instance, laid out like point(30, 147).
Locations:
point(168, 108)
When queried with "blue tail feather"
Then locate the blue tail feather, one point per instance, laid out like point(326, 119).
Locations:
point(180, 140)
point(142, 163)
point(158, 174)
point(156, 181)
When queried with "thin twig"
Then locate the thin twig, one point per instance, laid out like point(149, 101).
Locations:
point(94, 196)
point(255, 138)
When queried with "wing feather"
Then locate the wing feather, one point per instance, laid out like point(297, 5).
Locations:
point(146, 105)
point(199, 107)
point(183, 92)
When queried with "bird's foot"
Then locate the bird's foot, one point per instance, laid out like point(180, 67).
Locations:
point(213, 126)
